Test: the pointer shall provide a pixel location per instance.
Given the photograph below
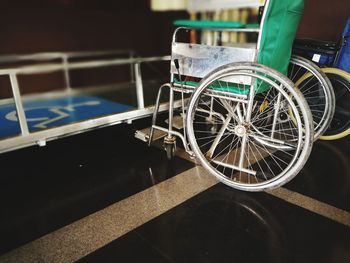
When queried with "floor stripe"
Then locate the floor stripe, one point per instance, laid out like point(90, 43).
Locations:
point(313, 205)
point(84, 236)
point(308, 203)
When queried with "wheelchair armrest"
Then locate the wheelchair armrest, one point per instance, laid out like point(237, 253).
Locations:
point(215, 25)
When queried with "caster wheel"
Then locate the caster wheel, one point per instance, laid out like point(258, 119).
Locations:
point(170, 150)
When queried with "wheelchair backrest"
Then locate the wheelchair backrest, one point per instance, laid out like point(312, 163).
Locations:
point(278, 29)
point(343, 58)
point(215, 5)
point(277, 32)
point(197, 60)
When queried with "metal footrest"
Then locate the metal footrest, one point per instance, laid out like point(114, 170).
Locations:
point(143, 134)
point(177, 122)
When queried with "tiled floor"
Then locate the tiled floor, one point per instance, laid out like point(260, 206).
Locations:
point(221, 225)
point(326, 176)
point(82, 184)
point(43, 189)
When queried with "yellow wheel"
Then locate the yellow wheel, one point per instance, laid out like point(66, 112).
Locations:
point(340, 125)
point(317, 91)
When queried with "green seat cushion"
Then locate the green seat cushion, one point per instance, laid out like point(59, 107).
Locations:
point(209, 24)
point(219, 86)
point(252, 25)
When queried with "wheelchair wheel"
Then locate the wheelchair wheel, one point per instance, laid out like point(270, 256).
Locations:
point(257, 145)
point(316, 89)
point(340, 124)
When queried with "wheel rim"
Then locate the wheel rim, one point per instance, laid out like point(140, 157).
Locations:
point(316, 89)
point(243, 153)
point(341, 119)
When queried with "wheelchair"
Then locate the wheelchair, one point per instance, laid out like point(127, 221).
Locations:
point(333, 58)
point(241, 116)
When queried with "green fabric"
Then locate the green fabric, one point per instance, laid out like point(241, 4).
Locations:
point(209, 24)
point(278, 33)
point(252, 25)
point(214, 24)
point(220, 86)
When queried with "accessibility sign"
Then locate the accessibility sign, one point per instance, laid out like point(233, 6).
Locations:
point(43, 114)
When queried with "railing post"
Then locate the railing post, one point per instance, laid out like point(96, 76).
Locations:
point(19, 105)
point(66, 72)
point(139, 86)
point(132, 72)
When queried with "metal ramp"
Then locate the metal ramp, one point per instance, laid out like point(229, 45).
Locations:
point(37, 118)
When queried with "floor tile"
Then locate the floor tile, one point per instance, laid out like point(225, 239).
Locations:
point(129, 248)
point(223, 225)
point(73, 177)
point(326, 175)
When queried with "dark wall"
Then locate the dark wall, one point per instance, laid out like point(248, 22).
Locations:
point(30, 26)
point(68, 25)
point(324, 19)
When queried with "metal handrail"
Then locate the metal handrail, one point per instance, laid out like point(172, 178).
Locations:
point(13, 73)
point(52, 67)
point(56, 55)
point(64, 57)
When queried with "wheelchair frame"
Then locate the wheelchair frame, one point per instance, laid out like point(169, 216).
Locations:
point(223, 65)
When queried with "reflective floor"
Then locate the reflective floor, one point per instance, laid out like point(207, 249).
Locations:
point(103, 196)
point(220, 225)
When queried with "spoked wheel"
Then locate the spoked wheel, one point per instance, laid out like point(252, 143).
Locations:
point(257, 144)
point(340, 124)
point(316, 89)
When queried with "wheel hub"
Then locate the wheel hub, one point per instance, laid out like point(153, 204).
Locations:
point(240, 130)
